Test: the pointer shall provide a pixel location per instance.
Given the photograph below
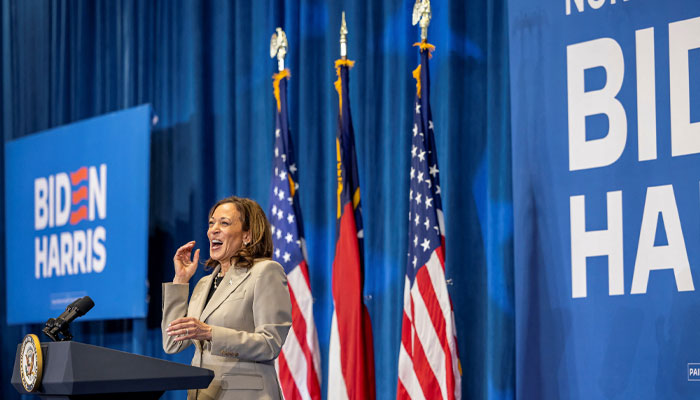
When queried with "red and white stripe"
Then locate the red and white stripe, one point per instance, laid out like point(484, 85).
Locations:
point(428, 359)
point(299, 363)
point(336, 381)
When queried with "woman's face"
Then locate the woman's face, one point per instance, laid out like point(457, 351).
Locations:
point(225, 233)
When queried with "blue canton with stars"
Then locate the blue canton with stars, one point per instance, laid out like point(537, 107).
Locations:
point(425, 230)
point(287, 229)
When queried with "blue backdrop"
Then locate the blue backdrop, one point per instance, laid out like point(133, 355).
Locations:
point(205, 68)
point(606, 149)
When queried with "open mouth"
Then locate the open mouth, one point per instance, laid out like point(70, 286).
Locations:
point(216, 244)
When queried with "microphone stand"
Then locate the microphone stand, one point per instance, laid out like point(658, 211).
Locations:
point(58, 330)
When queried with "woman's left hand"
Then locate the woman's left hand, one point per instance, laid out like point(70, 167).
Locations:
point(189, 328)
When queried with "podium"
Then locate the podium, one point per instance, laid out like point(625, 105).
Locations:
point(75, 370)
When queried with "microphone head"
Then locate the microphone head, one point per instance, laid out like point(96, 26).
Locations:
point(57, 329)
point(84, 305)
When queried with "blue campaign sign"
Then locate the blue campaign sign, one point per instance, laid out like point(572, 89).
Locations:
point(77, 218)
point(606, 181)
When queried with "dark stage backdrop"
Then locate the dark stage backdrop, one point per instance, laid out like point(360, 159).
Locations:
point(205, 68)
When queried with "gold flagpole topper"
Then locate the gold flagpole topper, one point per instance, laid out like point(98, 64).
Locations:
point(422, 14)
point(278, 47)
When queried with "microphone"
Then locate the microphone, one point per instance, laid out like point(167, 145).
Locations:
point(57, 329)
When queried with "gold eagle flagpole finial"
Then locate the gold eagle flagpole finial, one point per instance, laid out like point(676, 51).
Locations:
point(422, 14)
point(278, 47)
point(343, 39)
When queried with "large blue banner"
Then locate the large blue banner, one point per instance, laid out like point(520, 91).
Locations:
point(606, 172)
point(77, 218)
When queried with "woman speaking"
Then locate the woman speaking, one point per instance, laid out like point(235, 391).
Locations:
point(239, 315)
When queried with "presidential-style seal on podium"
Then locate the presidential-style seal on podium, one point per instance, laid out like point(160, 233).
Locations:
point(31, 362)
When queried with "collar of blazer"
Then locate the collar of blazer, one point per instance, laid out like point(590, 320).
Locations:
point(232, 280)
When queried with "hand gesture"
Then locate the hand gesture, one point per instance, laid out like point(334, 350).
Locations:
point(185, 266)
point(189, 328)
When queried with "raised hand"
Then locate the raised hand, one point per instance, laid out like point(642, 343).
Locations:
point(185, 265)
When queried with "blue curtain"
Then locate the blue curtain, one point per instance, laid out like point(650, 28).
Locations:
point(205, 68)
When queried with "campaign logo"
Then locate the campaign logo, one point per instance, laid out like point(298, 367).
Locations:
point(63, 204)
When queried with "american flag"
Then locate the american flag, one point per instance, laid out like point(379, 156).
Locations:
point(299, 363)
point(428, 360)
point(351, 355)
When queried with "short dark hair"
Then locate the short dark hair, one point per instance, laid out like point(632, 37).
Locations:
point(253, 220)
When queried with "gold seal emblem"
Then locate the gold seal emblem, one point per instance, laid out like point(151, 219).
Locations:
point(30, 362)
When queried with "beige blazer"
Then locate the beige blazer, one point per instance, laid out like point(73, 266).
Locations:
point(250, 315)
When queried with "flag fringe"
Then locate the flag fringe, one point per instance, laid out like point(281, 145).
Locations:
point(425, 46)
point(338, 83)
point(416, 76)
point(276, 78)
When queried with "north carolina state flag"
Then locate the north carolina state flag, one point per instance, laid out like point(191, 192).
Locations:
point(351, 352)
